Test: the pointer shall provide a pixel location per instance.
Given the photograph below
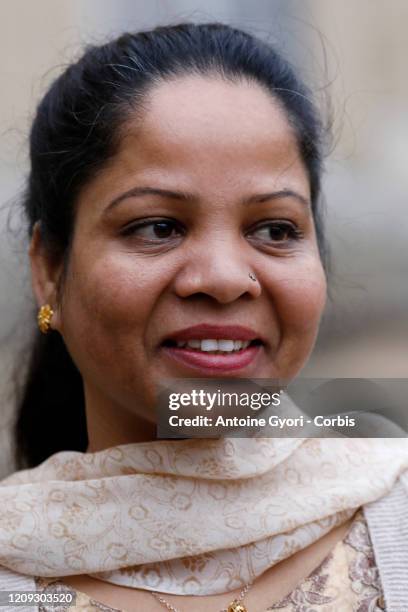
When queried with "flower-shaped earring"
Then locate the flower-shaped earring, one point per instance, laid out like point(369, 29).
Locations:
point(44, 318)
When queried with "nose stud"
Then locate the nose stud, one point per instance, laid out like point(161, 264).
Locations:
point(252, 277)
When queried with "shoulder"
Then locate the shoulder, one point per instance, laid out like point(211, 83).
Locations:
point(11, 580)
point(387, 520)
point(389, 514)
point(14, 581)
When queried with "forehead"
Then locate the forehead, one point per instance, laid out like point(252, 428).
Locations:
point(196, 119)
point(199, 110)
point(209, 135)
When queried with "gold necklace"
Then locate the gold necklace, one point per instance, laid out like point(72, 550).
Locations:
point(234, 606)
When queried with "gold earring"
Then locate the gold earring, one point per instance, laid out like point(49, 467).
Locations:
point(44, 318)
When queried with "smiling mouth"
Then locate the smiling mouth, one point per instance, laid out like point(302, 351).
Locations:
point(212, 346)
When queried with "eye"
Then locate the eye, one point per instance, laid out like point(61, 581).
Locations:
point(153, 230)
point(276, 232)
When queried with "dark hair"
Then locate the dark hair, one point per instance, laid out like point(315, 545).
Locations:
point(77, 129)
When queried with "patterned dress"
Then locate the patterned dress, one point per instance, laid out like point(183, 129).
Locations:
point(346, 581)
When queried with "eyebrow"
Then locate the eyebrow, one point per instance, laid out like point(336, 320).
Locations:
point(184, 196)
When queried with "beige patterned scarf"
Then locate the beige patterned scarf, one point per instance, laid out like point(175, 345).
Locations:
point(188, 516)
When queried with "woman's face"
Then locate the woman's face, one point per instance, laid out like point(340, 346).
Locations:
point(207, 189)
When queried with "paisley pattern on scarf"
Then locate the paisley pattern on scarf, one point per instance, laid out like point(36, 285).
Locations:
point(129, 514)
point(347, 579)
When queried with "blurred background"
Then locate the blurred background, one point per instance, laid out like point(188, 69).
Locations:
point(353, 52)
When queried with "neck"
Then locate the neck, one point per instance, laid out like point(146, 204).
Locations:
point(112, 425)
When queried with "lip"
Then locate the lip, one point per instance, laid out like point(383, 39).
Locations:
point(212, 364)
point(208, 364)
point(215, 332)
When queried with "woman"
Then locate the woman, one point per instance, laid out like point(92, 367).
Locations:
point(173, 207)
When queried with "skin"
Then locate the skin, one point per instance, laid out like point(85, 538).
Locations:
point(124, 294)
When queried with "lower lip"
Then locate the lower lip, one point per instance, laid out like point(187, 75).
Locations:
point(210, 363)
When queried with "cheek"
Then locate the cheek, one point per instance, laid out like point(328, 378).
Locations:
point(115, 290)
point(300, 299)
point(109, 302)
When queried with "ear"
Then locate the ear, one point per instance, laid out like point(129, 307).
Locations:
point(45, 273)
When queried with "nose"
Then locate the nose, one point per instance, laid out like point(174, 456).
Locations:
point(220, 269)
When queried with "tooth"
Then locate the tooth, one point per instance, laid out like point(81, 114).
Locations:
point(225, 345)
point(194, 344)
point(209, 345)
point(212, 345)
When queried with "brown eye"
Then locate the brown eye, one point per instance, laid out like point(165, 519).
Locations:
point(162, 229)
point(276, 232)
